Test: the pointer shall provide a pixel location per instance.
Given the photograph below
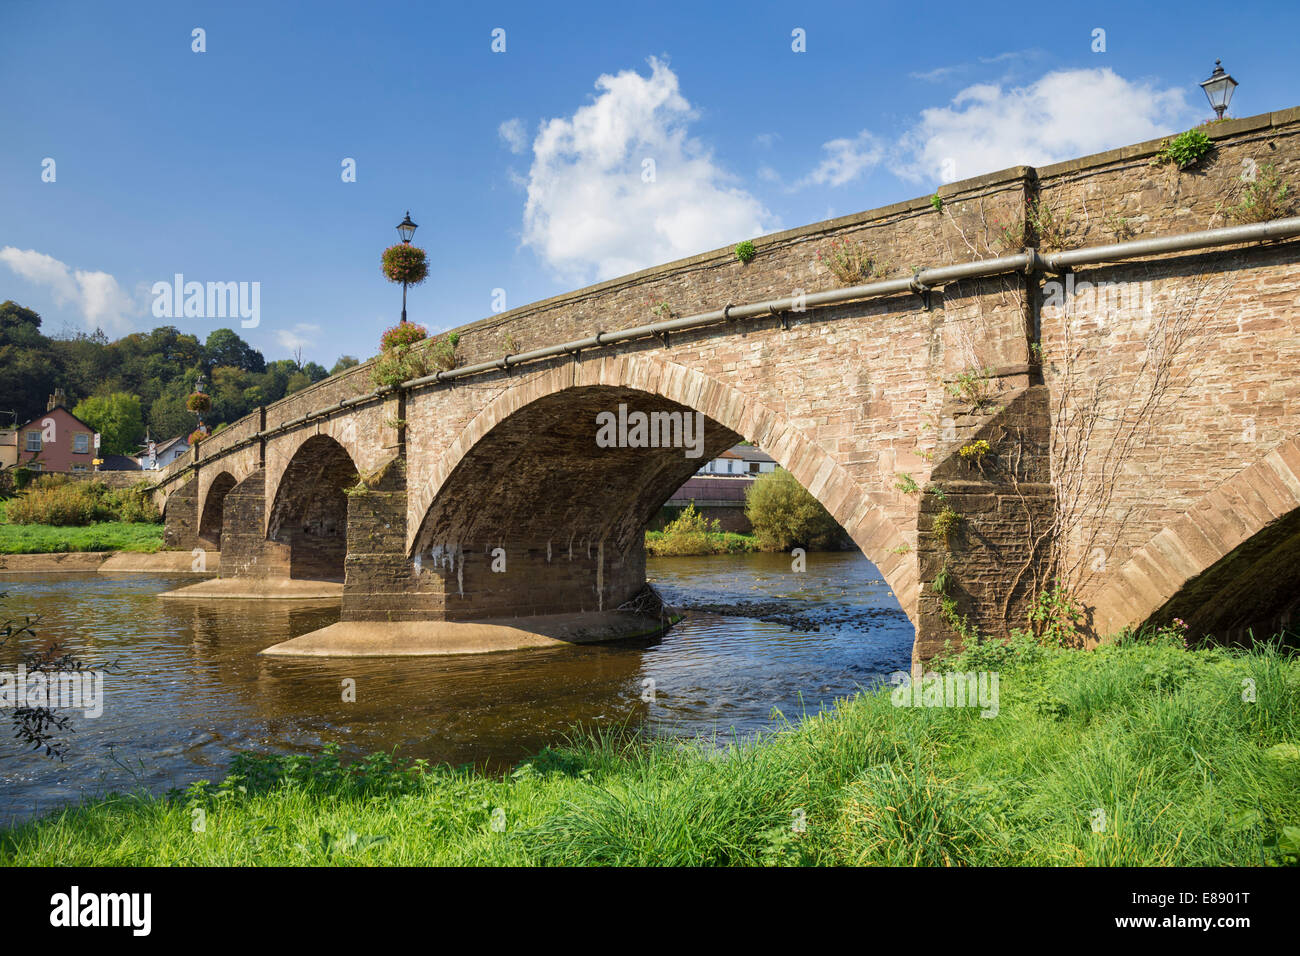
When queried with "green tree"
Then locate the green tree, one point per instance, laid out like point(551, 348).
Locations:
point(225, 347)
point(345, 362)
point(785, 515)
point(168, 416)
point(29, 367)
point(117, 418)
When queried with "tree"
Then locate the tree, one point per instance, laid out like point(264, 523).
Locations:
point(345, 362)
point(118, 420)
point(29, 368)
point(785, 515)
point(168, 416)
point(225, 347)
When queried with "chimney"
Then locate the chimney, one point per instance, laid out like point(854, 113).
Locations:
point(58, 398)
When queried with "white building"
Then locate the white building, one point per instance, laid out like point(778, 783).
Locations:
point(165, 452)
point(740, 460)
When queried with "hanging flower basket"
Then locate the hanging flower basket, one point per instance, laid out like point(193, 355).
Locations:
point(198, 403)
point(407, 333)
point(405, 263)
point(198, 433)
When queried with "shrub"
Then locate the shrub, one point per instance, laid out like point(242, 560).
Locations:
point(1184, 150)
point(691, 533)
point(404, 333)
point(60, 501)
point(745, 252)
point(401, 363)
point(785, 515)
point(405, 263)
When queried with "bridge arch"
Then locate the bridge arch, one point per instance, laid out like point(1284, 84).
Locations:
point(729, 415)
point(307, 521)
point(1229, 566)
point(211, 509)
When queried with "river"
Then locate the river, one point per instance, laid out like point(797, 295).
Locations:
point(187, 688)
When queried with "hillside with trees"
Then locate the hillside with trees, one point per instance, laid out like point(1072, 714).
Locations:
point(141, 380)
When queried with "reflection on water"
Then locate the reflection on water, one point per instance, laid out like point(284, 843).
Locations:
point(188, 688)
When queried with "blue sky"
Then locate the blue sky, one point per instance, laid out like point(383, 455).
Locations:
point(526, 169)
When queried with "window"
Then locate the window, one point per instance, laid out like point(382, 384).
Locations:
point(80, 443)
point(79, 469)
point(33, 466)
point(33, 441)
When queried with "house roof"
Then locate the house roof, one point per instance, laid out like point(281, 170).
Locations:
point(119, 463)
point(162, 446)
point(747, 453)
point(56, 408)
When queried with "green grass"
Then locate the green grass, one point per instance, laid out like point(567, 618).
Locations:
point(103, 536)
point(1157, 737)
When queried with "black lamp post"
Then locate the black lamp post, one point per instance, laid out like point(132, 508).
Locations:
point(1218, 89)
point(406, 229)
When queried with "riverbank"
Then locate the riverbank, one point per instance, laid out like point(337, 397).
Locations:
point(108, 562)
point(139, 537)
point(1134, 754)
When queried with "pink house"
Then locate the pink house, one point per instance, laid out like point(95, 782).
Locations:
point(57, 441)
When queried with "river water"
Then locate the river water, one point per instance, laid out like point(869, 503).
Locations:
point(187, 688)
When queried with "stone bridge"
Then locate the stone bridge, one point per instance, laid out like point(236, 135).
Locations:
point(1126, 423)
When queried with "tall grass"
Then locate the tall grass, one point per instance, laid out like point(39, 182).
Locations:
point(61, 501)
point(1158, 744)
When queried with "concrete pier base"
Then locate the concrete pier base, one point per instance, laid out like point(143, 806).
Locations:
point(272, 589)
point(436, 638)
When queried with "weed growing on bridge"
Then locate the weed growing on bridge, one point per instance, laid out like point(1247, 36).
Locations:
point(746, 252)
point(661, 310)
point(937, 202)
point(906, 484)
point(1120, 227)
point(975, 452)
point(849, 261)
point(1050, 228)
point(947, 521)
point(1184, 150)
point(1264, 198)
point(974, 388)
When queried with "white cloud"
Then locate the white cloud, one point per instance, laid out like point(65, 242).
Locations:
point(590, 212)
point(300, 336)
point(514, 135)
point(1062, 115)
point(98, 298)
point(846, 160)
